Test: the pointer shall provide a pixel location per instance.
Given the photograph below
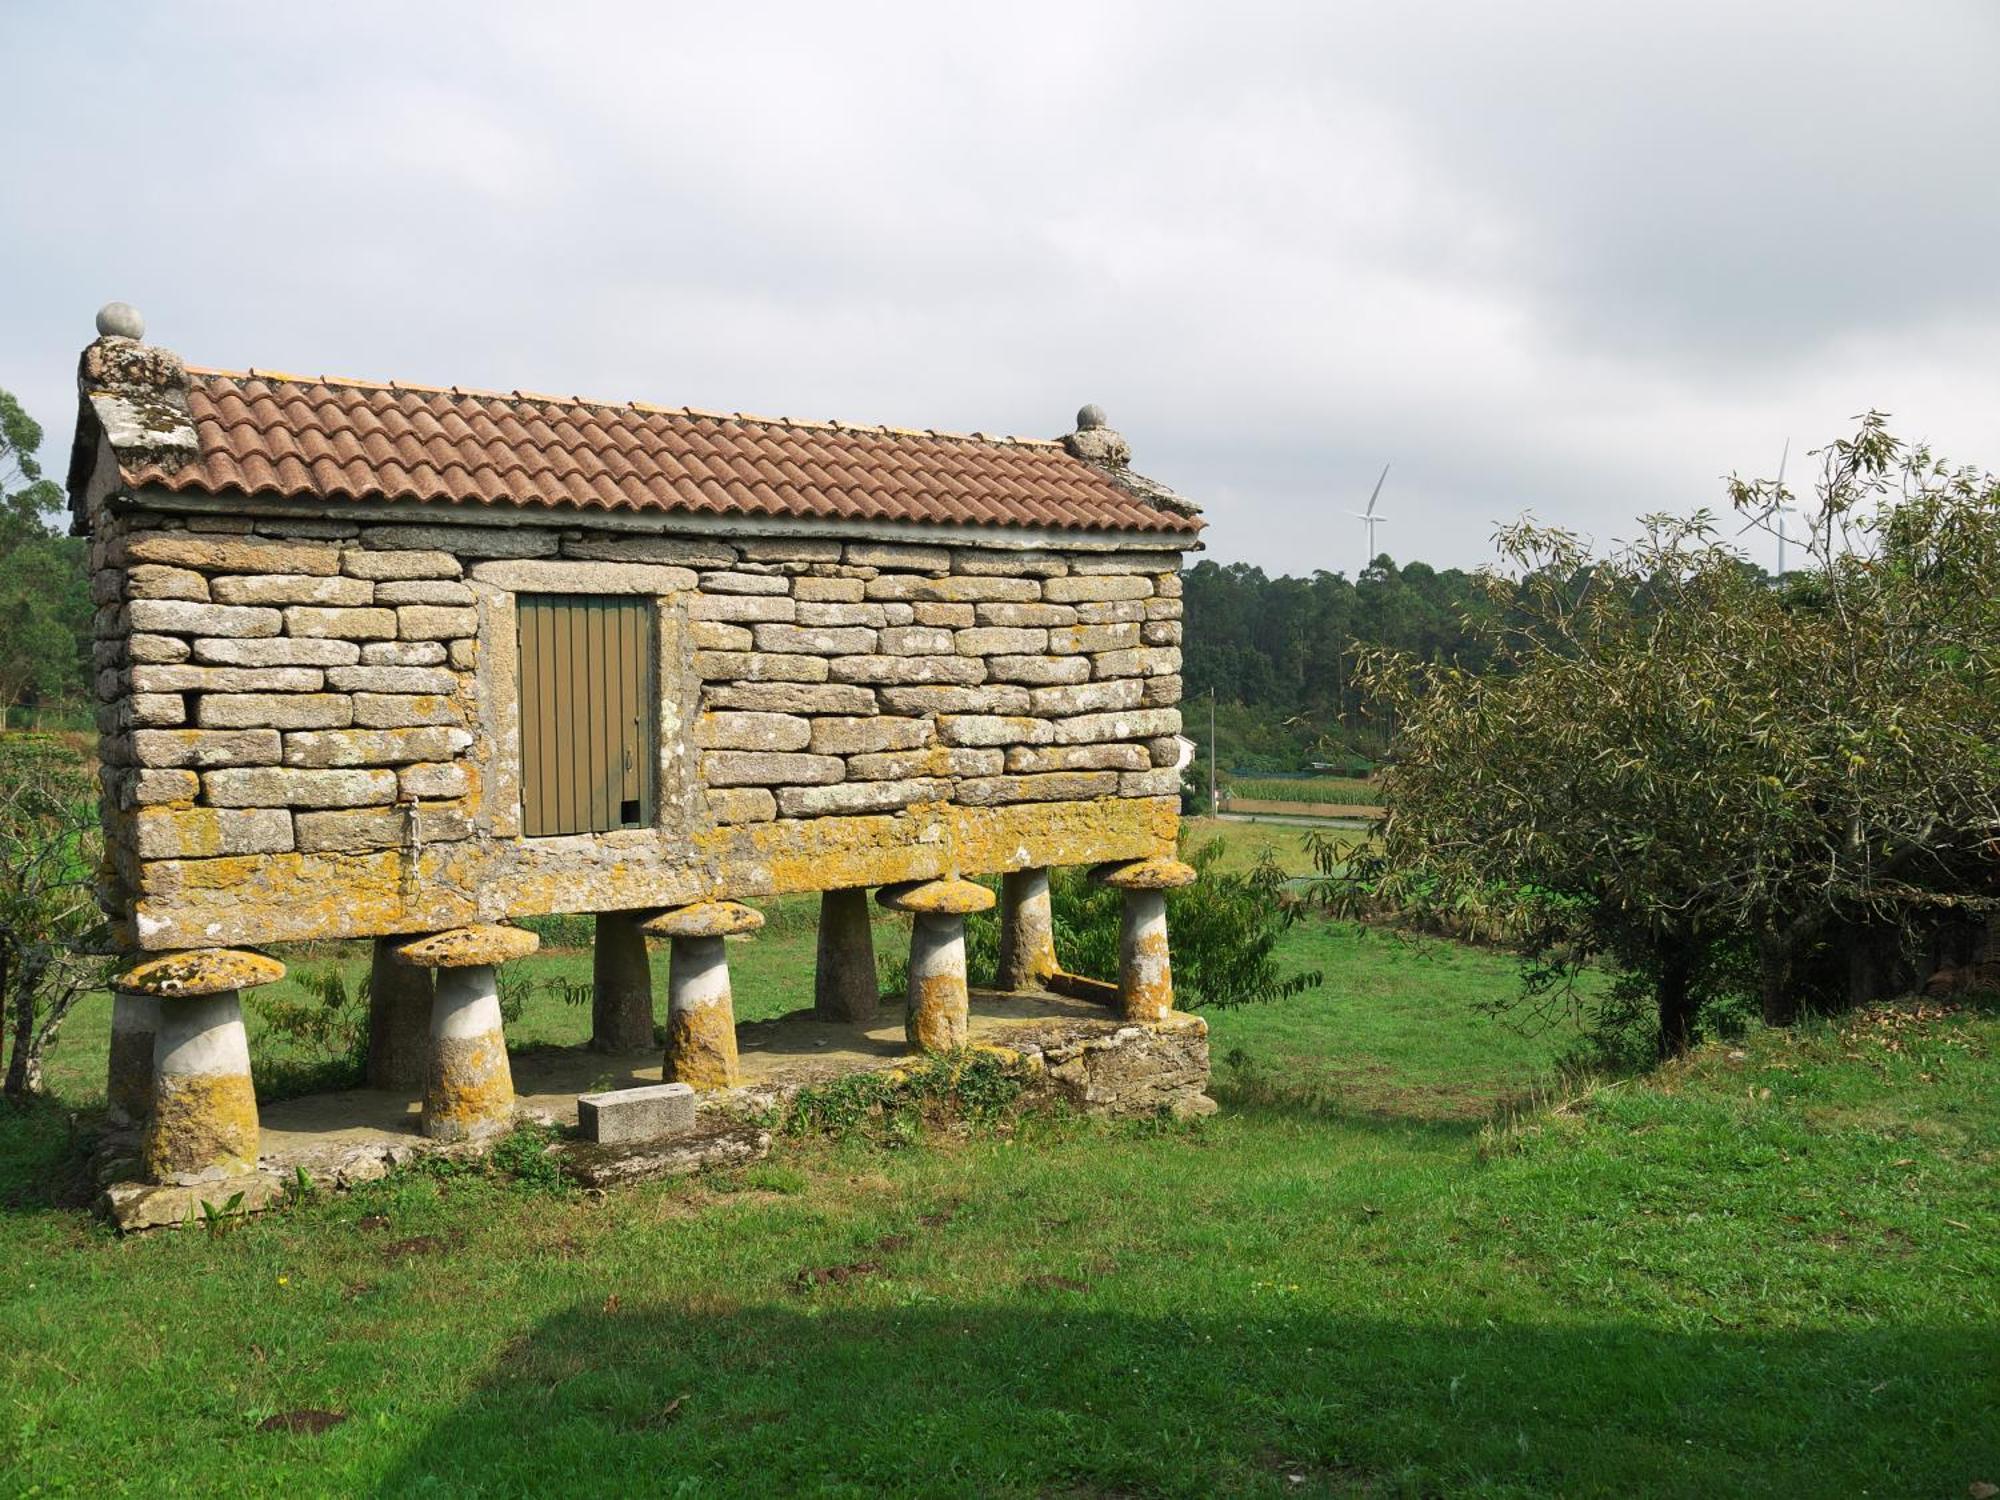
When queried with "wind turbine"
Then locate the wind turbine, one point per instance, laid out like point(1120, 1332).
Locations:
point(1777, 508)
point(1368, 517)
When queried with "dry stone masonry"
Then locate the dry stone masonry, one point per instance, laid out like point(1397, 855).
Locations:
point(404, 663)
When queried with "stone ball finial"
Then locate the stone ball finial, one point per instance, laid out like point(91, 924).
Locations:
point(120, 320)
point(1087, 418)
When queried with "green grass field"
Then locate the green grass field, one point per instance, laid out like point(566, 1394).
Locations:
point(1336, 789)
point(1394, 1265)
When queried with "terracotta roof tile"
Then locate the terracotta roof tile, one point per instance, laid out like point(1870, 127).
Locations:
point(264, 433)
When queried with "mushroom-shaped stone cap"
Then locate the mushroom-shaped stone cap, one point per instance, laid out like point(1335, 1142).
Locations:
point(936, 897)
point(200, 971)
point(704, 919)
point(1144, 874)
point(467, 947)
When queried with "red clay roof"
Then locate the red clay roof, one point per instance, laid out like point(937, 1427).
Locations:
point(294, 436)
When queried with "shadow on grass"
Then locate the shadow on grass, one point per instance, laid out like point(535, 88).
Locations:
point(42, 1164)
point(809, 1392)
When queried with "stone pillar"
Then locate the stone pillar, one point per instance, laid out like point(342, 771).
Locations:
point(202, 1125)
point(1027, 931)
point(399, 1020)
point(468, 1084)
point(701, 1011)
point(844, 975)
point(1145, 975)
point(128, 1081)
point(938, 1011)
point(621, 986)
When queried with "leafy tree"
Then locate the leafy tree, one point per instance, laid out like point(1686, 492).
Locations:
point(45, 604)
point(1676, 763)
point(50, 927)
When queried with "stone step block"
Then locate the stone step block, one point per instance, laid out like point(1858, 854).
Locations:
point(622, 1116)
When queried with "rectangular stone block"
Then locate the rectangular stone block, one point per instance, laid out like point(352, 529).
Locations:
point(993, 729)
point(157, 788)
point(156, 648)
point(640, 1114)
point(914, 559)
point(1084, 698)
point(964, 671)
point(274, 651)
point(1168, 585)
point(1042, 671)
point(1165, 749)
point(431, 680)
point(191, 679)
point(423, 591)
point(683, 551)
point(759, 666)
point(1161, 632)
point(894, 765)
point(826, 640)
point(956, 589)
point(991, 699)
point(791, 697)
point(274, 711)
point(386, 566)
point(1009, 562)
point(764, 768)
point(215, 554)
point(1030, 616)
point(1135, 724)
point(725, 582)
point(403, 710)
point(1083, 638)
point(1026, 759)
point(432, 779)
point(742, 804)
point(827, 590)
point(1145, 661)
point(861, 736)
point(1158, 783)
point(1000, 640)
point(341, 624)
point(916, 640)
point(181, 617)
point(209, 832)
point(874, 616)
point(380, 828)
point(1122, 562)
point(284, 786)
point(743, 609)
point(1081, 587)
point(371, 747)
point(202, 748)
point(793, 549)
point(584, 577)
point(713, 635)
point(293, 588)
point(1160, 692)
point(402, 654)
point(735, 730)
point(944, 616)
point(1163, 609)
point(1112, 612)
point(467, 541)
point(857, 797)
point(1056, 786)
point(433, 622)
point(158, 581)
point(155, 710)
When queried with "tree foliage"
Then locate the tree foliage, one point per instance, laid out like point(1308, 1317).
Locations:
point(1673, 764)
point(44, 597)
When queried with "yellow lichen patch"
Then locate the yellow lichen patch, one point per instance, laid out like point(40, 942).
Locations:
point(202, 1125)
point(704, 919)
point(1145, 874)
point(701, 1047)
point(937, 1018)
point(1146, 987)
point(941, 897)
point(201, 971)
point(469, 1090)
point(465, 947)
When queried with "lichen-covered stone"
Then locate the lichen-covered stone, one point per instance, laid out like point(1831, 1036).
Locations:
point(404, 710)
point(370, 747)
point(1158, 783)
point(275, 651)
point(422, 591)
point(204, 832)
point(203, 748)
point(1040, 671)
point(1028, 759)
point(154, 710)
point(1009, 562)
point(193, 679)
point(583, 577)
point(757, 666)
point(1083, 698)
point(1135, 724)
point(400, 565)
point(913, 558)
point(688, 552)
point(1161, 632)
point(826, 640)
point(200, 971)
point(430, 681)
point(742, 804)
point(157, 788)
point(1112, 612)
point(468, 541)
point(292, 588)
point(465, 947)
point(286, 786)
point(964, 671)
point(402, 654)
point(936, 897)
point(1146, 661)
point(742, 609)
point(340, 624)
point(1156, 874)
point(862, 736)
point(179, 617)
point(993, 729)
point(945, 699)
point(713, 635)
point(155, 648)
point(788, 697)
point(734, 730)
point(916, 640)
point(874, 616)
point(1160, 692)
point(944, 616)
point(367, 829)
point(434, 622)
point(761, 768)
point(951, 590)
point(1081, 587)
point(1000, 640)
point(725, 582)
point(214, 554)
point(1035, 616)
point(704, 919)
point(158, 581)
point(857, 797)
point(1054, 786)
point(1083, 638)
point(936, 761)
point(274, 711)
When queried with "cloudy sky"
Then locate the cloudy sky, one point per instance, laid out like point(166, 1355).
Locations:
point(1568, 256)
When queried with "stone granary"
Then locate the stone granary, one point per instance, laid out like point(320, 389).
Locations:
point(406, 662)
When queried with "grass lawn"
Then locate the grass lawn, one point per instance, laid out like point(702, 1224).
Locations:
point(1774, 1270)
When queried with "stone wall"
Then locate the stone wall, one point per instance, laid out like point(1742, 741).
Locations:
point(308, 720)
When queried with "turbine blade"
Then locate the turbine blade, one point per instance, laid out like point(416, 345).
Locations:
point(1376, 493)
